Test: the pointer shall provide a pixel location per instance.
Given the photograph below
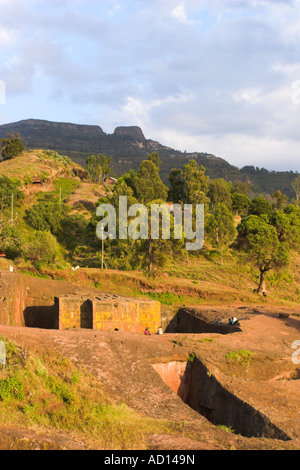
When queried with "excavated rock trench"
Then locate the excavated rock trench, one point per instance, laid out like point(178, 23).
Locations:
point(200, 390)
point(204, 393)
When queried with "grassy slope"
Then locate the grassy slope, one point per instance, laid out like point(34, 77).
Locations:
point(196, 282)
point(32, 163)
point(51, 394)
point(36, 163)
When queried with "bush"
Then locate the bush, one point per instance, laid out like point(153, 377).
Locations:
point(11, 388)
point(8, 188)
point(11, 147)
point(59, 158)
point(45, 215)
point(242, 356)
point(11, 242)
point(43, 250)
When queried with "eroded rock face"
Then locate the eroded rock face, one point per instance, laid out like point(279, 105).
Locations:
point(134, 132)
point(199, 389)
point(177, 375)
point(13, 295)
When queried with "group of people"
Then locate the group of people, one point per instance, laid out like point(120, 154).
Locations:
point(234, 321)
point(147, 331)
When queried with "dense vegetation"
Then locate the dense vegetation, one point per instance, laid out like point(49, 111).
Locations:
point(49, 234)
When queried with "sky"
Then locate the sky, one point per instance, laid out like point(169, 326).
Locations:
point(216, 76)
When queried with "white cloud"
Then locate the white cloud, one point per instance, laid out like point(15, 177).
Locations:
point(8, 37)
point(251, 96)
point(139, 110)
point(239, 150)
point(2, 92)
point(180, 15)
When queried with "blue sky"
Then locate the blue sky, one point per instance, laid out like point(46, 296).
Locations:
point(196, 75)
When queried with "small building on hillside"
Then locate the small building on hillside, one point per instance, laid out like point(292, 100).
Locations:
point(110, 180)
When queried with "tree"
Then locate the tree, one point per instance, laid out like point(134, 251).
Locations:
point(129, 179)
point(11, 242)
point(287, 225)
point(176, 191)
point(10, 238)
point(11, 147)
point(259, 206)
point(196, 183)
point(280, 200)
point(220, 228)
point(98, 167)
point(147, 189)
point(268, 242)
point(154, 157)
point(158, 248)
point(242, 187)
point(240, 204)
point(219, 192)
point(148, 185)
point(45, 215)
point(9, 188)
point(141, 252)
point(10, 235)
point(121, 253)
point(296, 188)
point(43, 250)
point(121, 189)
point(189, 185)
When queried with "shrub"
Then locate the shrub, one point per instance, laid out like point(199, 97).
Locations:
point(8, 188)
point(59, 158)
point(11, 388)
point(11, 147)
point(242, 356)
point(43, 250)
point(45, 215)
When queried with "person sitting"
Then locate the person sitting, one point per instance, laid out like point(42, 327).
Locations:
point(147, 332)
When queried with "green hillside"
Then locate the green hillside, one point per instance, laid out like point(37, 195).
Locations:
point(51, 227)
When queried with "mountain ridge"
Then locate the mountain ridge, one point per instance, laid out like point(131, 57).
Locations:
point(128, 146)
